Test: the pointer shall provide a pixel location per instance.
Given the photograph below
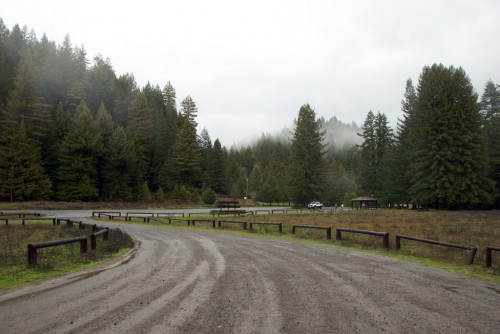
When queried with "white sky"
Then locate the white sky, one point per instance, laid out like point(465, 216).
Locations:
point(250, 65)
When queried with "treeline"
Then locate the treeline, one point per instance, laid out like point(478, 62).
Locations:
point(73, 130)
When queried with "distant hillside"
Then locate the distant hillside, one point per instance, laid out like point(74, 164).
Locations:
point(339, 136)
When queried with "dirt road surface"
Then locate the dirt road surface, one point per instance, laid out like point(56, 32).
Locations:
point(189, 281)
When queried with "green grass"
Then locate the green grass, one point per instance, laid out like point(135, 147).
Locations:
point(52, 261)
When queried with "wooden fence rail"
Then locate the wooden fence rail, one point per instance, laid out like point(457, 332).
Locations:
point(145, 219)
point(158, 214)
point(106, 213)
point(53, 220)
point(33, 248)
point(472, 250)
point(21, 214)
point(93, 237)
point(488, 254)
point(192, 221)
point(326, 228)
point(384, 235)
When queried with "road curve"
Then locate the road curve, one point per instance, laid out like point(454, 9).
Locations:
point(195, 281)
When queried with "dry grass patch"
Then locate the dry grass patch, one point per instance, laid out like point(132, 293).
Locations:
point(473, 228)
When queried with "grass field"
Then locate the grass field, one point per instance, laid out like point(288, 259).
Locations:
point(52, 261)
point(473, 228)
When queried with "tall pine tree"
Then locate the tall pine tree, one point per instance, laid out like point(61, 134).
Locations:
point(450, 163)
point(490, 110)
point(306, 174)
point(77, 177)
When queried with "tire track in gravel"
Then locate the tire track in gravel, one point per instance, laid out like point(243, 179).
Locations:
point(198, 281)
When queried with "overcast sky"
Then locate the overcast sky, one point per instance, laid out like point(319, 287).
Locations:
point(250, 65)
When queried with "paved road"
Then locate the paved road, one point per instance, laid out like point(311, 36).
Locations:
point(189, 281)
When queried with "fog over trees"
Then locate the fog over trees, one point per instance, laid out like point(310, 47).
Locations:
point(72, 129)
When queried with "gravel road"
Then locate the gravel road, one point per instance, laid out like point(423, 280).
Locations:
point(194, 281)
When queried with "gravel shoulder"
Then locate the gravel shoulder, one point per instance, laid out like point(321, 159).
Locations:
point(190, 281)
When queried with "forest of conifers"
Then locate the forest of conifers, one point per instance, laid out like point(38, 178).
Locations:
point(72, 130)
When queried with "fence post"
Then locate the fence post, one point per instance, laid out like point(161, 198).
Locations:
point(386, 240)
point(83, 246)
point(293, 229)
point(32, 254)
point(93, 242)
point(398, 242)
point(488, 257)
point(471, 255)
point(106, 235)
point(338, 234)
point(329, 233)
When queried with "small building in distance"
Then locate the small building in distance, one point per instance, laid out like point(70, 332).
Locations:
point(364, 202)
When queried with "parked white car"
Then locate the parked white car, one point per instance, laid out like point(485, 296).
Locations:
point(315, 205)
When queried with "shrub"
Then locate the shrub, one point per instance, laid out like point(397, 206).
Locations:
point(209, 197)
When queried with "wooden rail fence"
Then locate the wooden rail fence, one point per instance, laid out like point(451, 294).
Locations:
point(384, 235)
point(106, 213)
point(192, 221)
point(472, 250)
point(53, 220)
point(33, 248)
point(326, 228)
point(93, 237)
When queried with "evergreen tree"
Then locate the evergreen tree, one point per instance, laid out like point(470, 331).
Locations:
point(450, 166)
point(306, 174)
point(125, 91)
point(169, 95)
point(23, 177)
point(378, 139)
point(218, 167)
point(6, 77)
point(105, 125)
point(162, 140)
point(101, 85)
point(25, 101)
point(398, 163)
point(77, 178)
point(490, 110)
point(367, 172)
point(235, 177)
point(256, 181)
point(185, 165)
point(189, 110)
point(207, 156)
point(118, 172)
point(139, 127)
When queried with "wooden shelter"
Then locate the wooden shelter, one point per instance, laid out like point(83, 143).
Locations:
point(364, 202)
